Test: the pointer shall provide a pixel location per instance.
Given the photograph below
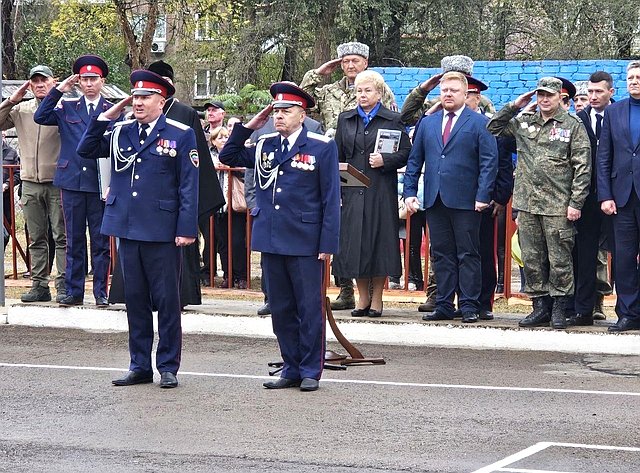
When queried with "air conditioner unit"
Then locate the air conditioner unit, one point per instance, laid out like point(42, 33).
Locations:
point(158, 46)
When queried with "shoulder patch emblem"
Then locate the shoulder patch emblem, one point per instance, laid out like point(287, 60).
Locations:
point(193, 156)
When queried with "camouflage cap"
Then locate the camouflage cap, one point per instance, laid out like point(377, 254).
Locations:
point(581, 87)
point(549, 84)
point(40, 70)
point(462, 64)
point(346, 49)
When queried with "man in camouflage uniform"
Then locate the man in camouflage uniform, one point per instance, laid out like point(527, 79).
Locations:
point(331, 101)
point(551, 184)
point(416, 103)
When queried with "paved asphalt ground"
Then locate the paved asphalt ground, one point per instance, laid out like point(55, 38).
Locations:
point(427, 410)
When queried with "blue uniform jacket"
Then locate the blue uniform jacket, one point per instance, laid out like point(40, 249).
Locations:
point(618, 165)
point(156, 198)
point(462, 171)
point(71, 118)
point(299, 214)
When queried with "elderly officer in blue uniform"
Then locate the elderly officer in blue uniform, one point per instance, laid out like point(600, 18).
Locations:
point(78, 178)
point(296, 226)
point(152, 206)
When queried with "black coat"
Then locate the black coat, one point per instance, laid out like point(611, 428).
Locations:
point(369, 244)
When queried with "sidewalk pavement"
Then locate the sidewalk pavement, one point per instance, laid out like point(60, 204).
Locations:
point(232, 312)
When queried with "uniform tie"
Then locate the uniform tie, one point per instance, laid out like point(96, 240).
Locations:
point(285, 147)
point(447, 127)
point(91, 109)
point(598, 125)
point(143, 132)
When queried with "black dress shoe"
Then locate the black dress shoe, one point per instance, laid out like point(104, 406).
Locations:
point(625, 324)
point(360, 312)
point(437, 315)
point(309, 384)
point(375, 313)
point(134, 377)
point(265, 309)
point(168, 380)
point(428, 306)
point(69, 301)
point(485, 315)
point(469, 317)
point(102, 302)
point(457, 314)
point(580, 320)
point(282, 383)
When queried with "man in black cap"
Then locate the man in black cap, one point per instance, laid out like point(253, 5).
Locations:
point(78, 178)
point(152, 207)
point(214, 113)
point(296, 226)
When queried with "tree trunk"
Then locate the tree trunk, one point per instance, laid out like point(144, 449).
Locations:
point(8, 43)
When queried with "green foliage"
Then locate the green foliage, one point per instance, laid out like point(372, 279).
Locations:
point(248, 101)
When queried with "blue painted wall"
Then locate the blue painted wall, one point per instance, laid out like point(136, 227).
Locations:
point(508, 79)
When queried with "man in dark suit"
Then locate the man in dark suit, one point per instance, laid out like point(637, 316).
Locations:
point(461, 159)
point(618, 193)
point(78, 178)
point(296, 226)
point(152, 206)
point(589, 226)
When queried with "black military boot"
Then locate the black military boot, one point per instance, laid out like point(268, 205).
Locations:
point(37, 293)
point(558, 315)
point(541, 314)
point(598, 310)
point(346, 299)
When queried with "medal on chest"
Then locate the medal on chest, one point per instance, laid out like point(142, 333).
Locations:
point(167, 147)
point(304, 162)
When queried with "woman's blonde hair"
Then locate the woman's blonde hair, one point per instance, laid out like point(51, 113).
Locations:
point(215, 133)
point(370, 76)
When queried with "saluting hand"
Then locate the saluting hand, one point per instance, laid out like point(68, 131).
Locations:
point(328, 67)
point(19, 94)
point(431, 83)
point(115, 111)
point(260, 119)
point(524, 99)
point(67, 84)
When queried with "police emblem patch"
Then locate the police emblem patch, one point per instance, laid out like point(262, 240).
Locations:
point(193, 156)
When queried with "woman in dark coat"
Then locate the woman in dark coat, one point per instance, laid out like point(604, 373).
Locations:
point(369, 248)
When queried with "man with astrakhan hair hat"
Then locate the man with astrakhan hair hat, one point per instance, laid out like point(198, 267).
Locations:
point(78, 178)
point(296, 226)
point(581, 97)
point(152, 207)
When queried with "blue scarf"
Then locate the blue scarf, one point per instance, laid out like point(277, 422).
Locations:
point(367, 117)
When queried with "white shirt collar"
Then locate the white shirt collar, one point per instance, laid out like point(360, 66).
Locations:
point(151, 126)
point(292, 137)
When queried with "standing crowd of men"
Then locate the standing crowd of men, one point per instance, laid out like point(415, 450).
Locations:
point(576, 192)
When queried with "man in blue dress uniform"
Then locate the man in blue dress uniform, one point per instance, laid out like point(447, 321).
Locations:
point(296, 226)
point(152, 206)
point(78, 178)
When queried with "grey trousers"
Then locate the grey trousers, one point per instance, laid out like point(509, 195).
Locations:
point(42, 207)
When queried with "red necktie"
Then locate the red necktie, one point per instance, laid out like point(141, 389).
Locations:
point(447, 127)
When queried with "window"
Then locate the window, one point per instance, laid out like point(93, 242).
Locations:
point(140, 21)
point(208, 82)
point(206, 25)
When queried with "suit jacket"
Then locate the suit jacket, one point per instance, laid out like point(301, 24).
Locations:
point(618, 164)
point(585, 116)
point(299, 213)
point(71, 118)
point(463, 171)
point(156, 198)
point(210, 197)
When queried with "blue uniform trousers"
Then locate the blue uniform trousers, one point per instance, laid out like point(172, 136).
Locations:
point(151, 279)
point(626, 225)
point(80, 209)
point(294, 289)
